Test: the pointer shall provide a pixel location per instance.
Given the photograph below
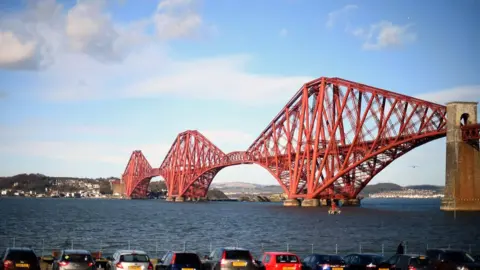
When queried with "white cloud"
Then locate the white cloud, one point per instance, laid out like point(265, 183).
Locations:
point(461, 93)
point(29, 38)
point(283, 32)
point(177, 19)
point(91, 31)
point(385, 34)
point(340, 14)
point(13, 51)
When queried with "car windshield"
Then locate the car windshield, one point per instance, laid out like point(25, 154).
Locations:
point(237, 255)
point(364, 260)
point(134, 258)
point(187, 258)
point(458, 257)
point(77, 258)
point(20, 255)
point(287, 259)
point(419, 262)
point(330, 259)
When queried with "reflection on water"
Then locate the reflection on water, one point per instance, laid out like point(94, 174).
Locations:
point(154, 225)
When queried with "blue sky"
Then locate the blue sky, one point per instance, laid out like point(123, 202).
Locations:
point(83, 83)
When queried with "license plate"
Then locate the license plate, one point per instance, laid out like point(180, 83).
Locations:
point(383, 269)
point(134, 268)
point(239, 264)
point(22, 265)
point(288, 268)
point(188, 268)
point(337, 268)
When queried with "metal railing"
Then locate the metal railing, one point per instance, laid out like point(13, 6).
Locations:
point(157, 247)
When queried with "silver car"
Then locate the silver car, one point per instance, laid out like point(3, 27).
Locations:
point(74, 260)
point(130, 260)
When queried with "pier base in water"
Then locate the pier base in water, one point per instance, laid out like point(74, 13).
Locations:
point(169, 199)
point(291, 202)
point(179, 199)
point(310, 203)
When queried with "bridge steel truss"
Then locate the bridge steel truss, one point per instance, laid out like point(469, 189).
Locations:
point(329, 141)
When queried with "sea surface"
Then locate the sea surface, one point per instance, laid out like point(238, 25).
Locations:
point(157, 226)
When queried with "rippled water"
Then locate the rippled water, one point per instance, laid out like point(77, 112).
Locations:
point(154, 225)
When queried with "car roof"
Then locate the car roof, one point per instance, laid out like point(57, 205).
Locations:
point(19, 249)
point(366, 254)
point(235, 248)
point(76, 251)
point(131, 251)
point(279, 253)
point(445, 250)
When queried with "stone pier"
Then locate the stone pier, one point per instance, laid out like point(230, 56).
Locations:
point(291, 202)
point(179, 199)
point(310, 203)
point(170, 199)
point(462, 177)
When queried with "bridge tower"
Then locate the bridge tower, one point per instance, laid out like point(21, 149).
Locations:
point(462, 177)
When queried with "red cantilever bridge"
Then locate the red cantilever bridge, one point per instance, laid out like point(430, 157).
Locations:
point(329, 141)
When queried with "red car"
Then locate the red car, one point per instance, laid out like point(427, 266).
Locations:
point(281, 261)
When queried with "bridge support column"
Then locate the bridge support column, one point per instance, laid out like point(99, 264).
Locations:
point(350, 202)
point(291, 202)
point(179, 199)
point(169, 199)
point(310, 203)
point(462, 177)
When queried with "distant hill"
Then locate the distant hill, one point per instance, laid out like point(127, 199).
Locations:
point(383, 187)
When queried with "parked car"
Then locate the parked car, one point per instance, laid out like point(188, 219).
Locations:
point(323, 261)
point(362, 261)
point(406, 262)
point(281, 261)
point(72, 259)
point(451, 259)
point(19, 258)
point(230, 258)
point(129, 260)
point(179, 260)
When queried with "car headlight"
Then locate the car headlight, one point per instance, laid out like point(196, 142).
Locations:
point(462, 268)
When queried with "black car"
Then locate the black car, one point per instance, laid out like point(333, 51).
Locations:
point(19, 259)
point(179, 260)
point(323, 261)
point(362, 261)
point(406, 262)
point(451, 259)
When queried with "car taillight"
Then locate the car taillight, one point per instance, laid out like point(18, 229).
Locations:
point(62, 263)
point(90, 264)
point(173, 258)
point(7, 264)
point(411, 267)
point(223, 261)
point(150, 266)
point(119, 265)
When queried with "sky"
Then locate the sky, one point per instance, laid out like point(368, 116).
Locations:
point(84, 83)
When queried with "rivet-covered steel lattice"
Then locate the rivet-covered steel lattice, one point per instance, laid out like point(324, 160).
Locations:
point(329, 141)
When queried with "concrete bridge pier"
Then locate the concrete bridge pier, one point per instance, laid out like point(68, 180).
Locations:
point(170, 199)
point(291, 202)
point(310, 203)
point(179, 199)
point(462, 177)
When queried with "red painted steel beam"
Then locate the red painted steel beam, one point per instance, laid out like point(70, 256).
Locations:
point(471, 132)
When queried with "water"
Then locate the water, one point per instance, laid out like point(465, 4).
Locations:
point(156, 226)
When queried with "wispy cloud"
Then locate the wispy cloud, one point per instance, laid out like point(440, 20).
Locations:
point(341, 14)
point(460, 93)
point(384, 35)
point(283, 32)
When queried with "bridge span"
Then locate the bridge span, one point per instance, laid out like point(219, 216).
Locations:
point(327, 142)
